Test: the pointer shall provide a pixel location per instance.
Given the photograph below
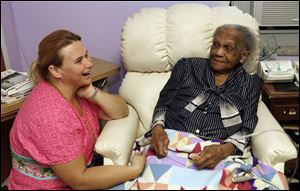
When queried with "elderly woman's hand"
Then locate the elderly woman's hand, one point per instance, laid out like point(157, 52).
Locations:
point(212, 155)
point(159, 141)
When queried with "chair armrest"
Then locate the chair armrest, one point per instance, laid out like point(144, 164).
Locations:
point(116, 139)
point(274, 146)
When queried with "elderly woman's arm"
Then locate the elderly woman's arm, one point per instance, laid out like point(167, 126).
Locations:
point(160, 140)
point(168, 92)
point(249, 117)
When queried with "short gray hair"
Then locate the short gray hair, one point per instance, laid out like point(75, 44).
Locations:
point(249, 41)
point(248, 36)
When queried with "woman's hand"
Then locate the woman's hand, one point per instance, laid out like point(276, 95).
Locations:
point(112, 106)
point(159, 141)
point(212, 155)
point(86, 91)
point(138, 162)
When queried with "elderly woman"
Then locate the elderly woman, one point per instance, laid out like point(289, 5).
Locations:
point(212, 98)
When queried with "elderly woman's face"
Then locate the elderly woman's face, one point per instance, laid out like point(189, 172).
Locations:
point(227, 51)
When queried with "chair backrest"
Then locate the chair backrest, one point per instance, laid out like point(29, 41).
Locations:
point(154, 39)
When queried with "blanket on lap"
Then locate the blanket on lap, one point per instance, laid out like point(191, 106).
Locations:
point(177, 171)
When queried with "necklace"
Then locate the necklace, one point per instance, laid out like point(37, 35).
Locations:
point(86, 122)
point(88, 126)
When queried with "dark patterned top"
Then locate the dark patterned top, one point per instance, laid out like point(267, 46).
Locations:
point(190, 78)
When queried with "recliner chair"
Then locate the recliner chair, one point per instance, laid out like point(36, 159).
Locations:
point(152, 41)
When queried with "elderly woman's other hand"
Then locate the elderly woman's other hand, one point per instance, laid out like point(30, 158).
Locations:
point(212, 155)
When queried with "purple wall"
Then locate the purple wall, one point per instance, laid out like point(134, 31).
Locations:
point(98, 23)
point(9, 30)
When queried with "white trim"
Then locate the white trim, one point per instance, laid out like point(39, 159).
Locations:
point(4, 50)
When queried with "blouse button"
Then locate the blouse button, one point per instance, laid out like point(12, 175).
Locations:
point(197, 131)
point(205, 112)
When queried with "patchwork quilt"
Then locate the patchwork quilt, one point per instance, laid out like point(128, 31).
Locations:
point(177, 171)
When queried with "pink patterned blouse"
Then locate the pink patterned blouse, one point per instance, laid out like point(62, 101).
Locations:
point(49, 131)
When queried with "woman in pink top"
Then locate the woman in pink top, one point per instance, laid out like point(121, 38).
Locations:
point(53, 136)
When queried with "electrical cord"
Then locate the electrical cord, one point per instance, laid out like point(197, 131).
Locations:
point(295, 170)
point(269, 55)
point(296, 146)
point(262, 132)
point(244, 178)
point(268, 72)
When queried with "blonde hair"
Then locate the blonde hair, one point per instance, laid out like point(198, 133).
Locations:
point(33, 72)
point(49, 53)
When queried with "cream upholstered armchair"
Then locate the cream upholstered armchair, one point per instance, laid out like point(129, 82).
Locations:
point(152, 41)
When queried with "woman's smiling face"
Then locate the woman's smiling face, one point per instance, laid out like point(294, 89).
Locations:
point(227, 51)
point(77, 65)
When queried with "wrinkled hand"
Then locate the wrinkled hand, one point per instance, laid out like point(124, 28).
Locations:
point(138, 162)
point(159, 141)
point(212, 155)
point(86, 91)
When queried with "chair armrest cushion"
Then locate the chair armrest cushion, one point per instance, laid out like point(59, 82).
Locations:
point(273, 146)
point(117, 137)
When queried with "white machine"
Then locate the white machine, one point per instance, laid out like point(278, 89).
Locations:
point(276, 71)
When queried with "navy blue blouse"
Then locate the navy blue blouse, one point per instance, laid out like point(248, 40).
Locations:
point(191, 77)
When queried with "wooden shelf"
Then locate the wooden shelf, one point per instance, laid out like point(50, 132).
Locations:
point(103, 69)
point(283, 105)
point(9, 111)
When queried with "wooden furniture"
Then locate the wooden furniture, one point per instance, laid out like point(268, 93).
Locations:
point(283, 105)
point(101, 70)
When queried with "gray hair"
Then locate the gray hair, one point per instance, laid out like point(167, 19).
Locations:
point(250, 43)
point(248, 36)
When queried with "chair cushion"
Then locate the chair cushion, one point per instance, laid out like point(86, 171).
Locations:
point(141, 91)
point(154, 39)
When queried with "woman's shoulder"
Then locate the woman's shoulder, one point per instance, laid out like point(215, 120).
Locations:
point(193, 63)
point(43, 100)
point(252, 79)
point(251, 84)
point(193, 60)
